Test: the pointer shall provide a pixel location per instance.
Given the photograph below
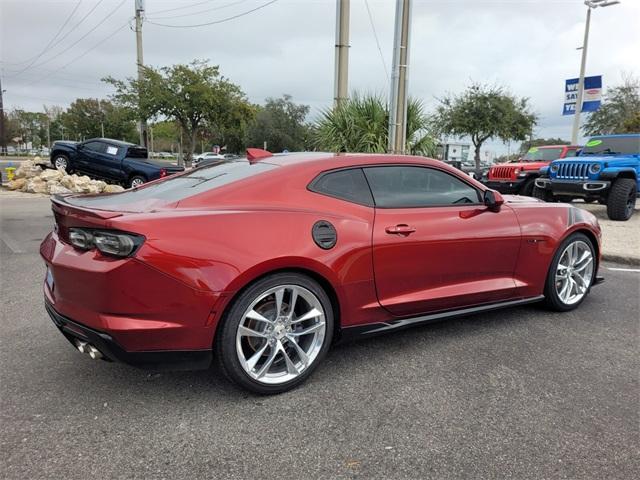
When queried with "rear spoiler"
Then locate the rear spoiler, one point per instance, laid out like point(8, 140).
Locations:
point(255, 154)
point(60, 205)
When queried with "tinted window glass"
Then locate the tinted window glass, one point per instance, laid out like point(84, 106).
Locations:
point(94, 146)
point(612, 146)
point(179, 187)
point(349, 185)
point(406, 186)
point(137, 152)
point(571, 153)
point(537, 154)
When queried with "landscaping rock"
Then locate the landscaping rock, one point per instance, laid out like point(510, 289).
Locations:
point(58, 189)
point(27, 170)
point(17, 184)
point(113, 189)
point(36, 185)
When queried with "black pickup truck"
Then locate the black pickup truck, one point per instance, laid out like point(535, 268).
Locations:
point(111, 160)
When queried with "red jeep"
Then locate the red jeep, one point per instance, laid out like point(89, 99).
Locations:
point(518, 177)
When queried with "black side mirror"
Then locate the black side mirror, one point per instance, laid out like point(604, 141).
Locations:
point(493, 200)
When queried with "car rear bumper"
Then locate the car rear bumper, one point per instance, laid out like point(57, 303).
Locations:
point(505, 186)
point(110, 350)
point(582, 188)
point(138, 307)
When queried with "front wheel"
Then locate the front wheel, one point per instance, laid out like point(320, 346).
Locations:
point(61, 162)
point(528, 187)
point(571, 274)
point(622, 199)
point(276, 333)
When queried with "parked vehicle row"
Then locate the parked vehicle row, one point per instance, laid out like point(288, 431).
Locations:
point(606, 170)
point(111, 160)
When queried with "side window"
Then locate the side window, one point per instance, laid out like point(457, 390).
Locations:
point(408, 186)
point(349, 185)
point(94, 146)
point(112, 150)
point(571, 152)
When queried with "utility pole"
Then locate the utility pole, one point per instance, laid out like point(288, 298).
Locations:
point(341, 82)
point(3, 142)
point(142, 125)
point(399, 79)
point(591, 4)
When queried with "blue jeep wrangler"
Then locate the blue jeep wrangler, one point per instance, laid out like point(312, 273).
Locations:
point(607, 169)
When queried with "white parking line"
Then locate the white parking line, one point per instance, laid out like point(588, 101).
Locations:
point(13, 245)
point(637, 270)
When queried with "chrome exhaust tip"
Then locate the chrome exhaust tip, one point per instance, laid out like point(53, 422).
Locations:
point(94, 353)
point(83, 347)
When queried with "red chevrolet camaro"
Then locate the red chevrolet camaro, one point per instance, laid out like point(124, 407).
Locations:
point(265, 262)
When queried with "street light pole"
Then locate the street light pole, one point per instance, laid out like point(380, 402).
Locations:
point(140, 63)
point(341, 82)
point(583, 63)
point(399, 79)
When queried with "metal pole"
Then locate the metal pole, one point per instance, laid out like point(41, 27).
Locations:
point(399, 79)
point(341, 82)
point(142, 124)
point(3, 142)
point(583, 64)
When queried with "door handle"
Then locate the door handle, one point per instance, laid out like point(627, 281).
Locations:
point(400, 229)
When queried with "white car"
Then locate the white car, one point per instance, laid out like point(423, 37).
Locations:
point(206, 156)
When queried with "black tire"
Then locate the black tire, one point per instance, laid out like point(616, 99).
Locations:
point(528, 187)
point(589, 200)
point(551, 297)
point(622, 199)
point(225, 343)
point(60, 159)
point(135, 181)
point(542, 194)
point(564, 199)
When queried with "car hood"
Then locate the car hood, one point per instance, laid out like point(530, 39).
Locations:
point(521, 199)
point(68, 143)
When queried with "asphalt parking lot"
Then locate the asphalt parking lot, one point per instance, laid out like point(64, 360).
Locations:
point(521, 393)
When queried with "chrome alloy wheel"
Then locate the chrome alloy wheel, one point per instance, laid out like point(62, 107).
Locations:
point(137, 182)
point(574, 272)
point(280, 334)
point(60, 162)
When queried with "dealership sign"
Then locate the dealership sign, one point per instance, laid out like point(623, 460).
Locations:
point(591, 98)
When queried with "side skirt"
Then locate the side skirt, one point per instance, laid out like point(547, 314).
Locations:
point(372, 329)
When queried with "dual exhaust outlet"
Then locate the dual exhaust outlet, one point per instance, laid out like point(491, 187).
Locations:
point(85, 347)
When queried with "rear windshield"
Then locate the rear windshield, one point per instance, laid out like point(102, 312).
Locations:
point(137, 152)
point(176, 188)
point(612, 146)
point(537, 154)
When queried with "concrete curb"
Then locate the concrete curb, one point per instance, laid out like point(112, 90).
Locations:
point(628, 260)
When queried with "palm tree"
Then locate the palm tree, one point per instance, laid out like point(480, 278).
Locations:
point(361, 124)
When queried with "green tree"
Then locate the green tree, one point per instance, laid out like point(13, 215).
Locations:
point(86, 117)
point(27, 127)
point(619, 112)
point(193, 95)
point(281, 123)
point(484, 112)
point(539, 142)
point(361, 124)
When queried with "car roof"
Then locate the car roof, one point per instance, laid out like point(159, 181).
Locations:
point(112, 141)
point(322, 161)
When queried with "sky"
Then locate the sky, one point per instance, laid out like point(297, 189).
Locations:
point(54, 51)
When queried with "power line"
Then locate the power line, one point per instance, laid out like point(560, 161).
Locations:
point(85, 35)
point(183, 7)
point(217, 21)
point(71, 30)
point(44, 50)
point(85, 53)
point(375, 35)
point(199, 11)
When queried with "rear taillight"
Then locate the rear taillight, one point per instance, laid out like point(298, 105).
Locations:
point(109, 242)
point(163, 172)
